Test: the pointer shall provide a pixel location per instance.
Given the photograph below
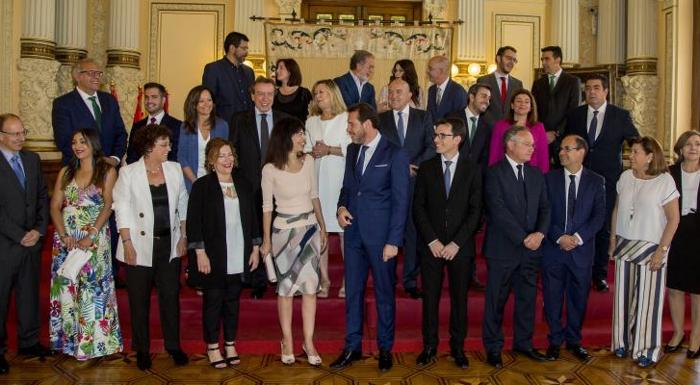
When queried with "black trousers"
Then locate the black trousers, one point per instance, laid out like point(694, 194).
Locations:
point(139, 280)
point(20, 270)
point(222, 304)
point(459, 274)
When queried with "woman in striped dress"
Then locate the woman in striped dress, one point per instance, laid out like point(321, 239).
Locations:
point(643, 223)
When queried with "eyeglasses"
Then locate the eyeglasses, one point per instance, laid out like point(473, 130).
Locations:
point(16, 134)
point(92, 73)
point(441, 135)
point(568, 149)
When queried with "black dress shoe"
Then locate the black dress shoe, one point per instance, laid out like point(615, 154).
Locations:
point(673, 348)
point(345, 359)
point(600, 285)
point(460, 359)
point(179, 357)
point(579, 352)
point(258, 292)
point(36, 350)
point(692, 355)
point(385, 360)
point(494, 359)
point(4, 366)
point(531, 354)
point(143, 360)
point(552, 353)
point(426, 357)
point(414, 293)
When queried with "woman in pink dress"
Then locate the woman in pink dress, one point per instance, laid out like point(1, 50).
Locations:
point(523, 112)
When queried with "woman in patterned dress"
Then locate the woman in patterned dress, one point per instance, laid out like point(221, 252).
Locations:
point(83, 313)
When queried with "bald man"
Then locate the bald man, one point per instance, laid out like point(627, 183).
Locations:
point(444, 96)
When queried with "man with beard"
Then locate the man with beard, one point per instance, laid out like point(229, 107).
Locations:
point(504, 82)
point(354, 85)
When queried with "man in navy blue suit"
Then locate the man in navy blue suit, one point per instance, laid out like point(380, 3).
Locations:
point(229, 79)
point(372, 209)
point(517, 217)
point(411, 129)
point(605, 127)
point(577, 198)
point(354, 85)
point(154, 96)
point(444, 96)
point(87, 107)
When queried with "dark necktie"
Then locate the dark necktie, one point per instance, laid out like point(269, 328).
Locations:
point(592, 128)
point(570, 203)
point(360, 162)
point(264, 137)
point(504, 92)
point(472, 129)
point(447, 176)
point(400, 128)
point(521, 181)
point(17, 168)
point(97, 111)
point(153, 120)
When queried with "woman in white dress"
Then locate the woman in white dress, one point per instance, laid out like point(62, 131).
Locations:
point(327, 140)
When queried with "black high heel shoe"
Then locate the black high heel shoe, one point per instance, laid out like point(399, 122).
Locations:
point(693, 354)
point(674, 348)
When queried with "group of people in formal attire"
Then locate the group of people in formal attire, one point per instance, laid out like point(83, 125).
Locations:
point(249, 185)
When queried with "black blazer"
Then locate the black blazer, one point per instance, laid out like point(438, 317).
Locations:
point(229, 94)
point(206, 229)
point(243, 133)
point(497, 110)
point(479, 150)
point(172, 123)
point(418, 142)
point(552, 106)
point(454, 98)
point(675, 171)
point(453, 218)
point(22, 210)
point(605, 154)
point(509, 217)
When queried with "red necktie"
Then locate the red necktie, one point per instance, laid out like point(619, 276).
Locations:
point(153, 120)
point(503, 92)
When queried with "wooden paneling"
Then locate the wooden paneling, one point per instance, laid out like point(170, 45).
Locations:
point(695, 104)
point(362, 9)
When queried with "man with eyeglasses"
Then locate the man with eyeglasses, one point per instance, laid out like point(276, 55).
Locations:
point(517, 213)
point(577, 198)
point(502, 84)
point(447, 211)
point(88, 107)
point(24, 216)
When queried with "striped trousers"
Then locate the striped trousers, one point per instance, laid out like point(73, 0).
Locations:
point(639, 300)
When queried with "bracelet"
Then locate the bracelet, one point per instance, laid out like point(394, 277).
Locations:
point(93, 228)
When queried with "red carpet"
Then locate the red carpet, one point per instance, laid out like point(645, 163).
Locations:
point(259, 331)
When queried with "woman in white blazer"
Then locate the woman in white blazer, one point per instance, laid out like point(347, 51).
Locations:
point(150, 204)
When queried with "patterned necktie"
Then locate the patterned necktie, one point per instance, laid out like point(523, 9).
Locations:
point(438, 98)
point(360, 162)
point(264, 137)
point(504, 92)
point(593, 128)
point(447, 177)
point(17, 168)
point(400, 128)
point(552, 81)
point(97, 111)
point(472, 129)
point(570, 203)
point(153, 120)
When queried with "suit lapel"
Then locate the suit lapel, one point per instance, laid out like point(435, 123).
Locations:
point(29, 180)
point(80, 103)
point(392, 131)
point(607, 118)
point(7, 168)
point(353, 86)
point(496, 92)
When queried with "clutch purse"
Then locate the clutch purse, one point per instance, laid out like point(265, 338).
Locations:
point(270, 268)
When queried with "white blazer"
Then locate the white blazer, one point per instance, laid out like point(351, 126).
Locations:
point(133, 207)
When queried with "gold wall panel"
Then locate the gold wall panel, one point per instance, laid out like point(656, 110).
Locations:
point(523, 33)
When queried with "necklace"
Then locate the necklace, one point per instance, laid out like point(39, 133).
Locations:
point(154, 171)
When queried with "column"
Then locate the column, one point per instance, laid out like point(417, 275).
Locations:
point(611, 36)
point(37, 72)
point(641, 83)
point(123, 55)
point(469, 37)
point(71, 39)
point(255, 30)
point(565, 29)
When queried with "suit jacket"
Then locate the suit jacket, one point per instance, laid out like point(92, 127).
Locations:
point(206, 218)
point(449, 218)
point(188, 146)
point(378, 201)
point(605, 154)
point(172, 123)
point(348, 89)
point(675, 171)
point(230, 93)
point(497, 110)
point(511, 215)
point(243, 133)
point(478, 150)
point(589, 216)
point(70, 113)
point(418, 142)
point(22, 210)
point(454, 99)
point(552, 106)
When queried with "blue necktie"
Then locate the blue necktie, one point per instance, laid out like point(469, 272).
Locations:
point(400, 128)
point(360, 162)
point(17, 168)
point(447, 176)
point(570, 203)
point(592, 128)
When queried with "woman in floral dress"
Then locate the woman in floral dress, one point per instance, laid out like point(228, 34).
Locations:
point(83, 312)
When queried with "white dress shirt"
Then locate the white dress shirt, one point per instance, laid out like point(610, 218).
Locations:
point(441, 89)
point(469, 115)
point(358, 83)
point(600, 117)
point(556, 76)
point(514, 166)
point(86, 98)
point(159, 117)
point(371, 147)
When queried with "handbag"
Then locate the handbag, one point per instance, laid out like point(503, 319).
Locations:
point(73, 264)
point(270, 268)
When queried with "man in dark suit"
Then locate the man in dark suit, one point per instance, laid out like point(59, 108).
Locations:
point(444, 96)
point(517, 212)
point(87, 107)
point(605, 127)
point(556, 93)
point(229, 79)
point(154, 96)
point(24, 215)
point(577, 198)
point(372, 209)
point(502, 84)
point(249, 131)
point(354, 85)
point(447, 209)
point(411, 129)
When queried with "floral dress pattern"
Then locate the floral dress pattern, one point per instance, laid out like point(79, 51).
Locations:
point(83, 314)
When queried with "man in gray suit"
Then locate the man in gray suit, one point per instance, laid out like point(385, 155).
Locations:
point(24, 216)
point(502, 85)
